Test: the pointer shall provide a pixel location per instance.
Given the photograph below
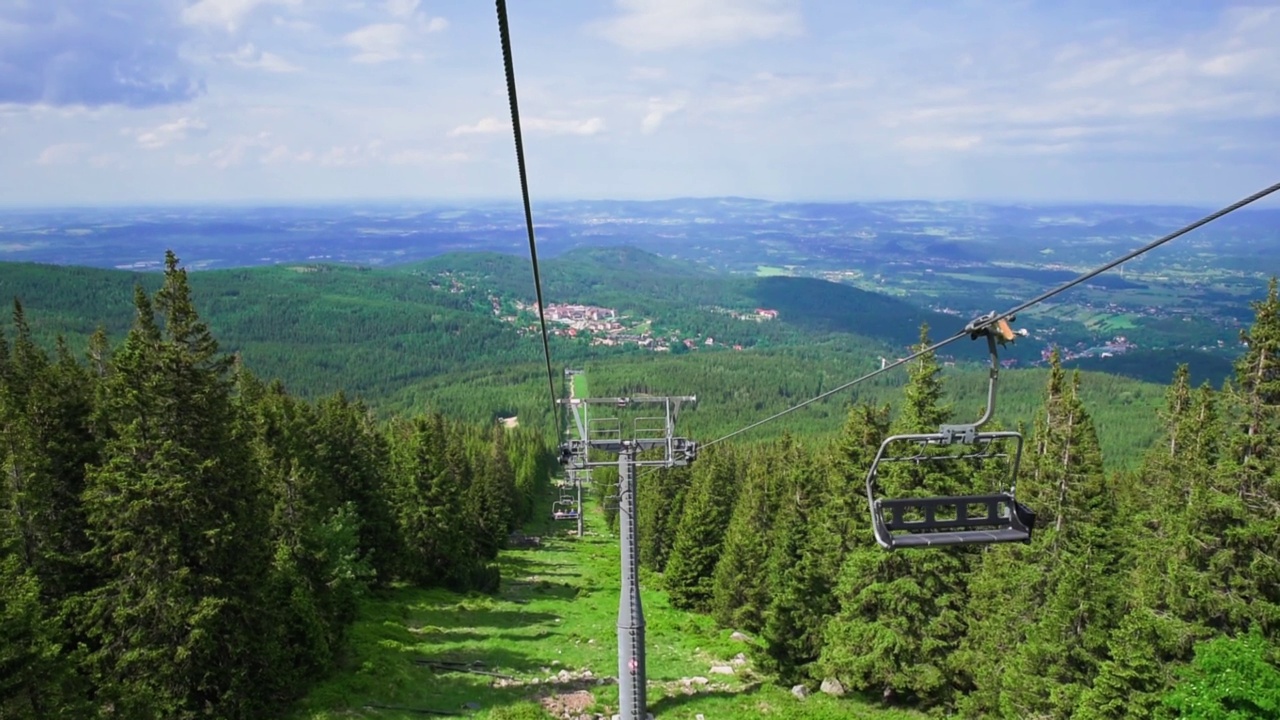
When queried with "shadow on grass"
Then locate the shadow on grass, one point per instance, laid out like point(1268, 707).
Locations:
point(544, 589)
point(441, 635)
point(488, 659)
point(517, 567)
point(457, 616)
point(671, 702)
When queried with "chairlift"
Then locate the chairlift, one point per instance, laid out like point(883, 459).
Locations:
point(996, 517)
point(564, 510)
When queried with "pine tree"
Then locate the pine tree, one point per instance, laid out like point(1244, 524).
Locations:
point(660, 497)
point(1258, 379)
point(35, 673)
point(1160, 625)
point(41, 530)
point(430, 507)
point(739, 592)
point(800, 589)
point(700, 534)
point(1076, 590)
point(44, 445)
point(493, 497)
point(177, 518)
point(901, 614)
point(843, 517)
point(317, 571)
point(354, 455)
point(1243, 507)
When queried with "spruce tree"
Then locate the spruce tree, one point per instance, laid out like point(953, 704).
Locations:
point(1243, 506)
point(901, 614)
point(44, 445)
point(41, 530)
point(36, 674)
point(1076, 591)
point(353, 454)
point(800, 588)
point(700, 534)
point(661, 497)
point(430, 507)
point(1160, 621)
point(177, 517)
point(740, 592)
point(493, 497)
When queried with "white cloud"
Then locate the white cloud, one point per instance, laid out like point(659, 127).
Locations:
point(1230, 64)
point(484, 126)
point(351, 155)
point(379, 42)
point(1105, 96)
point(93, 54)
point(644, 73)
point(107, 160)
point(228, 14)
point(659, 109)
point(590, 126)
point(386, 41)
point(403, 8)
point(233, 153)
point(170, 132)
point(668, 24)
point(425, 157)
point(549, 126)
point(407, 11)
point(293, 24)
point(356, 154)
point(940, 142)
point(251, 57)
point(277, 155)
point(62, 154)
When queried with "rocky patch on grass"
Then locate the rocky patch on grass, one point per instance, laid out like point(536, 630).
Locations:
point(570, 705)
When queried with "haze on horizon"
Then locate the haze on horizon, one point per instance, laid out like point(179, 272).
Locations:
point(299, 101)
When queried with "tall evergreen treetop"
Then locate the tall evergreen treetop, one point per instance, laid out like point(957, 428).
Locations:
point(923, 410)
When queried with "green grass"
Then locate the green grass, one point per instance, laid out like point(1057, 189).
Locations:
point(770, 271)
point(557, 610)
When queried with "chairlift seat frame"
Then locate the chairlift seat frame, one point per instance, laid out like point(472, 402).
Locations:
point(918, 522)
point(571, 513)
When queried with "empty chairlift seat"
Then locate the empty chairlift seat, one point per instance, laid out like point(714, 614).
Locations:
point(979, 519)
point(961, 520)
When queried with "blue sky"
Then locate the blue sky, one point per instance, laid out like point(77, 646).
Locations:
point(157, 101)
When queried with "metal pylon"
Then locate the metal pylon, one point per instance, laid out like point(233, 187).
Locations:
point(650, 433)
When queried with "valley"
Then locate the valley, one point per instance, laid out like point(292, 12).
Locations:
point(1182, 303)
point(423, 575)
point(438, 335)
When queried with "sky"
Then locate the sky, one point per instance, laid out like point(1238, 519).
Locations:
point(278, 101)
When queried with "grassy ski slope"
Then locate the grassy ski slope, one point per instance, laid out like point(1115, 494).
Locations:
point(553, 621)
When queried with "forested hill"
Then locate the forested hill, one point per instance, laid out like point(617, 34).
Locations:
point(633, 280)
point(371, 331)
point(426, 335)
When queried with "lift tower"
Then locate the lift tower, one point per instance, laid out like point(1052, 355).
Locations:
point(605, 435)
point(577, 472)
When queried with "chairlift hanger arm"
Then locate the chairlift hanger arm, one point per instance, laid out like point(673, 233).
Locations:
point(995, 329)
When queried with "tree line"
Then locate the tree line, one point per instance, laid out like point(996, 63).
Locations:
point(181, 539)
point(1147, 592)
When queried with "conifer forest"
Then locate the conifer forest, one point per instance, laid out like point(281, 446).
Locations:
point(184, 539)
